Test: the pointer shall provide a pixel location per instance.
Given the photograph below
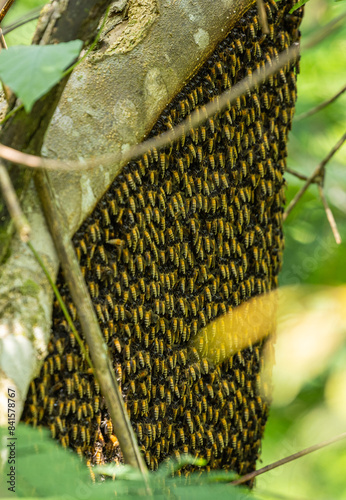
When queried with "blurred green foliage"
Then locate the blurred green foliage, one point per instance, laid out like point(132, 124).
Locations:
point(23, 34)
point(311, 254)
point(42, 65)
point(311, 257)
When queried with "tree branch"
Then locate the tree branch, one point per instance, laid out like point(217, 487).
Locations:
point(320, 106)
point(297, 174)
point(86, 314)
point(330, 215)
point(315, 174)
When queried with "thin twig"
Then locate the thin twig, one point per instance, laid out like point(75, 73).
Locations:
point(3, 44)
point(296, 174)
point(10, 197)
point(262, 15)
point(330, 215)
point(323, 32)
point(199, 116)
point(63, 307)
point(320, 106)
point(315, 174)
point(285, 460)
point(31, 16)
point(90, 326)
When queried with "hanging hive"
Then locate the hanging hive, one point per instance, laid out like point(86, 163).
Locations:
point(183, 235)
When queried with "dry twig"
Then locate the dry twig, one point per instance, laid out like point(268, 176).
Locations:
point(296, 174)
point(67, 315)
point(318, 172)
point(5, 7)
point(324, 31)
point(285, 460)
point(330, 215)
point(320, 106)
point(31, 16)
point(3, 44)
point(6, 89)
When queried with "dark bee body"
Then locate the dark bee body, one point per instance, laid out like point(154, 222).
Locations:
point(182, 235)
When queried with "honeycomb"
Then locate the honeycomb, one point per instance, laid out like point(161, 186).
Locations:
point(183, 235)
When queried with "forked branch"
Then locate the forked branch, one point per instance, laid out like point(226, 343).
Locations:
point(317, 176)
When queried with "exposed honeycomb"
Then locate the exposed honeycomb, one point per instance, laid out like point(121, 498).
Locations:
point(184, 234)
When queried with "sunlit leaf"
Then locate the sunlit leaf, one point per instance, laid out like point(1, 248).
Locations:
point(310, 323)
point(240, 327)
point(30, 71)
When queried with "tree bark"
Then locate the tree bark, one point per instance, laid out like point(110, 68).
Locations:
point(59, 22)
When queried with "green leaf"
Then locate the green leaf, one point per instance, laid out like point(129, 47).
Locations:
point(299, 4)
point(30, 71)
point(172, 465)
point(43, 468)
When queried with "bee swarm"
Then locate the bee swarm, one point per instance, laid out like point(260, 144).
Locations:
point(183, 235)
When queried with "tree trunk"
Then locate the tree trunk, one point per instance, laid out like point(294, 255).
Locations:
point(181, 236)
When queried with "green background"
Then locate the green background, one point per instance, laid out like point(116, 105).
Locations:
point(312, 257)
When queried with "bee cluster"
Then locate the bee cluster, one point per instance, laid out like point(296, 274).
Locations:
point(183, 235)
